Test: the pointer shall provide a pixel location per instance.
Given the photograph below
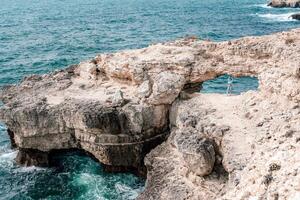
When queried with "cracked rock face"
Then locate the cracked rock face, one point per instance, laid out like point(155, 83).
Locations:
point(238, 147)
point(117, 130)
point(188, 165)
point(120, 106)
point(198, 152)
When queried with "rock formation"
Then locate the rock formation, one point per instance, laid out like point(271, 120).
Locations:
point(296, 16)
point(255, 141)
point(284, 3)
point(120, 106)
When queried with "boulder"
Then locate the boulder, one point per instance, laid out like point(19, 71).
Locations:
point(296, 16)
point(284, 3)
point(197, 151)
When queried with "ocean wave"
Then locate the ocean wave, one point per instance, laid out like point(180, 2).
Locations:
point(286, 17)
point(7, 160)
point(8, 155)
point(127, 192)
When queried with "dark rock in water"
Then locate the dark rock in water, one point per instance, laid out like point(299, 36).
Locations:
point(296, 16)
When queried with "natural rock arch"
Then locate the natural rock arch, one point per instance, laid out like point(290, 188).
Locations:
point(116, 106)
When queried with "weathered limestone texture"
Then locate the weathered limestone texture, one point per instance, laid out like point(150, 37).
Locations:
point(256, 141)
point(120, 106)
point(284, 3)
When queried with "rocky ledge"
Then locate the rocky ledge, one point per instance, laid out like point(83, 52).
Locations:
point(120, 106)
point(284, 3)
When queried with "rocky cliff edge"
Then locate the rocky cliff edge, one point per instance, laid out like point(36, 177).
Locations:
point(119, 106)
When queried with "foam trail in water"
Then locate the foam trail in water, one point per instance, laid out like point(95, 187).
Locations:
point(30, 169)
point(262, 6)
point(278, 17)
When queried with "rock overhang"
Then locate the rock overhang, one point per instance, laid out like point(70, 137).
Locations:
point(119, 102)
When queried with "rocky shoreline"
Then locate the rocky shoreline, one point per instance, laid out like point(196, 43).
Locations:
point(119, 107)
point(284, 3)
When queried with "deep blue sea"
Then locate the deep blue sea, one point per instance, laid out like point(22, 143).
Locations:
point(39, 36)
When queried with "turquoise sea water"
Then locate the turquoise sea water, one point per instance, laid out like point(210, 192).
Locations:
point(76, 176)
point(38, 36)
point(239, 85)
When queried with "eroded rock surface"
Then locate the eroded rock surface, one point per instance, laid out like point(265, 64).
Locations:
point(255, 139)
point(120, 106)
point(284, 3)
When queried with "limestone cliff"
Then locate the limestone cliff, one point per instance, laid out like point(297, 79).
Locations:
point(228, 147)
point(120, 106)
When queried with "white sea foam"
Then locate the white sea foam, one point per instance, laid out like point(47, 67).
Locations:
point(263, 6)
point(30, 169)
point(7, 159)
point(127, 192)
point(8, 155)
point(286, 17)
point(98, 187)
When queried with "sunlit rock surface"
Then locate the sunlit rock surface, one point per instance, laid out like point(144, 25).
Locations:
point(284, 3)
point(120, 106)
